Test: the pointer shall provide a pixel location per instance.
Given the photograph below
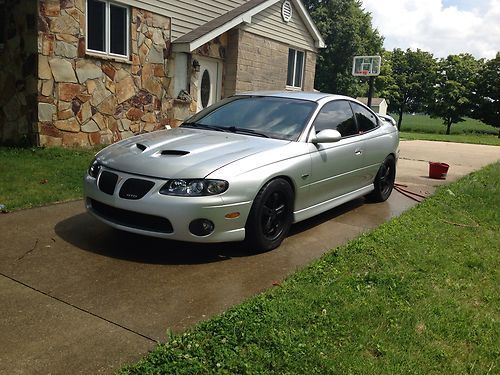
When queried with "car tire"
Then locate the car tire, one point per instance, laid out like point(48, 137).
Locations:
point(384, 180)
point(270, 217)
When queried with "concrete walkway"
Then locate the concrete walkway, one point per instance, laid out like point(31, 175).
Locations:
point(79, 297)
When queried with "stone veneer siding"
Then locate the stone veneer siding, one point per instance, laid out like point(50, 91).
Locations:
point(18, 81)
point(52, 93)
point(85, 99)
point(257, 63)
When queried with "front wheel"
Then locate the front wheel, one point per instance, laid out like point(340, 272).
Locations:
point(271, 216)
point(384, 181)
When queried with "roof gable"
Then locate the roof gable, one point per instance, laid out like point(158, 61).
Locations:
point(242, 14)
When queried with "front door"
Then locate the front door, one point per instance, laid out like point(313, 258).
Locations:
point(209, 82)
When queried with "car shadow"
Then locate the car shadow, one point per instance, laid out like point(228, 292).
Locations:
point(87, 233)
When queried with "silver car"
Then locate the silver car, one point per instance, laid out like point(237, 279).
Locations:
point(245, 168)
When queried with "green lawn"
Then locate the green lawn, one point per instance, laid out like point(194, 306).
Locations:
point(483, 139)
point(425, 124)
point(470, 131)
point(33, 177)
point(417, 295)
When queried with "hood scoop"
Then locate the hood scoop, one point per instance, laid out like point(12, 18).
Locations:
point(174, 153)
point(141, 147)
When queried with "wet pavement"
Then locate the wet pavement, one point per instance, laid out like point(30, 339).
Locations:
point(79, 297)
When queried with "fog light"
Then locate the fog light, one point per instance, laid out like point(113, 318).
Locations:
point(201, 227)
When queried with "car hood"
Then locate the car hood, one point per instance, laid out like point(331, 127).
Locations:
point(182, 152)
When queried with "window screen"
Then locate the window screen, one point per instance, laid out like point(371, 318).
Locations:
point(295, 68)
point(118, 32)
point(291, 67)
point(299, 66)
point(96, 21)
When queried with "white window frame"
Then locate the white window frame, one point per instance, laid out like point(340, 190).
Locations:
point(107, 26)
point(293, 87)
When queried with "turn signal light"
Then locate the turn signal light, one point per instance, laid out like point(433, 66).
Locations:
point(232, 215)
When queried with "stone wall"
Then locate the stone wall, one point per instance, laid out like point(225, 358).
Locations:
point(258, 63)
point(87, 99)
point(18, 72)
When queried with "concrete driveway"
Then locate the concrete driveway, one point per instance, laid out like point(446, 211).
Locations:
point(79, 297)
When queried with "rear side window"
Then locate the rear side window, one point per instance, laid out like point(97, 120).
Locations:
point(366, 120)
point(336, 115)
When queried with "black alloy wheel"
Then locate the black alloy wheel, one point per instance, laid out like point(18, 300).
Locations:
point(384, 181)
point(271, 216)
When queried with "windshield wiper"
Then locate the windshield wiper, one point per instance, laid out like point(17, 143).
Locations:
point(234, 129)
point(203, 126)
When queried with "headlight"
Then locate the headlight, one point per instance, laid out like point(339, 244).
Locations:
point(94, 168)
point(194, 188)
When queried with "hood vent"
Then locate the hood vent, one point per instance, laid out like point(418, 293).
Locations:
point(174, 153)
point(141, 147)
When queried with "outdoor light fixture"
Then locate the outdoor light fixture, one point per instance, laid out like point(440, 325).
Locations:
point(196, 66)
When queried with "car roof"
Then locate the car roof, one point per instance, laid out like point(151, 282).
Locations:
point(303, 95)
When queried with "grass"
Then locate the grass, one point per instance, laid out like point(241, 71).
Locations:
point(33, 177)
point(423, 127)
point(417, 295)
point(426, 124)
point(483, 139)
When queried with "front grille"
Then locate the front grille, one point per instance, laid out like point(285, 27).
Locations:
point(107, 182)
point(135, 188)
point(131, 219)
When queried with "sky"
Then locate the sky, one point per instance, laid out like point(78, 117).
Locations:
point(442, 27)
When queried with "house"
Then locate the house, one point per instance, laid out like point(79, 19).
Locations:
point(85, 72)
point(379, 105)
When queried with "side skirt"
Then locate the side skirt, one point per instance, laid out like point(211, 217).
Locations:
point(308, 212)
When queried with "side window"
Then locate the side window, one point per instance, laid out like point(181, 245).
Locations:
point(366, 120)
point(336, 115)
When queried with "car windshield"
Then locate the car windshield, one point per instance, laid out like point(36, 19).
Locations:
point(272, 117)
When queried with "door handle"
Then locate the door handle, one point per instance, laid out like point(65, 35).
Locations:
point(358, 152)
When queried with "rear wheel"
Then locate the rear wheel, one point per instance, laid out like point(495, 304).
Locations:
point(271, 216)
point(384, 181)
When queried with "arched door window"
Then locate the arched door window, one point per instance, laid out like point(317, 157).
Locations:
point(205, 89)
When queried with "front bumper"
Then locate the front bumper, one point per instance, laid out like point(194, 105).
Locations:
point(179, 212)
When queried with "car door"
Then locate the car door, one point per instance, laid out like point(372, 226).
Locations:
point(374, 149)
point(336, 167)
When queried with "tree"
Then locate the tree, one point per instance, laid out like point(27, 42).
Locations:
point(385, 84)
point(408, 86)
point(348, 31)
point(487, 98)
point(454, 90)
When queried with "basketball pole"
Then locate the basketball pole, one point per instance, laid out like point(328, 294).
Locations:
point(371, 83)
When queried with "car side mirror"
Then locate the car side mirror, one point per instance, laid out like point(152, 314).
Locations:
point(326, 136)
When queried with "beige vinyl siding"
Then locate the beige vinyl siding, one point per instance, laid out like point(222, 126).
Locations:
point(270, 24)
point(186, 15)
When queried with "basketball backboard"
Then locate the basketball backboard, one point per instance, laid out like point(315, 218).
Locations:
point(366, 66)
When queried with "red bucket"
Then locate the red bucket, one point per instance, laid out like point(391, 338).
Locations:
point(438, 170)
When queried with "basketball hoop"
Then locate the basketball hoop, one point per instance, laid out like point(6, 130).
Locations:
point(367, 66)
